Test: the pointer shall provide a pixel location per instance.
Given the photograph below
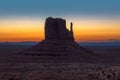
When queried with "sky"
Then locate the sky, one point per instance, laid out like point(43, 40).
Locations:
point(93, 20)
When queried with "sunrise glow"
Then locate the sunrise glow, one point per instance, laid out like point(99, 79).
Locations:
point(85, 29)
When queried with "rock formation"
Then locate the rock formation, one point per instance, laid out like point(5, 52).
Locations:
point(55, 29)
point(58, 44)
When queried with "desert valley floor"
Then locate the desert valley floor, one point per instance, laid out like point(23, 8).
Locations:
point(11, 69)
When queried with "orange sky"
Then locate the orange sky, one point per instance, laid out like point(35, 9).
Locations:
point(85, 29)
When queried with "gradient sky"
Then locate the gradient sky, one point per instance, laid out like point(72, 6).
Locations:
point(94, 20)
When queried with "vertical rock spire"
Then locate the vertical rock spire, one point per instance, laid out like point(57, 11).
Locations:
point(71, 32)
point(71, 27)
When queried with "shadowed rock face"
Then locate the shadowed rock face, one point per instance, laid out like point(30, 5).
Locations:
point(55, 29)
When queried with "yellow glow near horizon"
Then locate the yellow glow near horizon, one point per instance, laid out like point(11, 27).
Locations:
point(18, 30)
point(97, 30)
point(21, 30)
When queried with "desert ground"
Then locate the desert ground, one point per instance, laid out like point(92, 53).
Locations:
point(11, 69)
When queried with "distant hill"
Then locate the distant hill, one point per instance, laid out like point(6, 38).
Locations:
point(109, 43)
point(18, 43)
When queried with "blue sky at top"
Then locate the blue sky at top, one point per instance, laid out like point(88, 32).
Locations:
point(59, 7)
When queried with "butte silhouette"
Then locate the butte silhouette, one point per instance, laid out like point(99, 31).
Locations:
point(59, 44)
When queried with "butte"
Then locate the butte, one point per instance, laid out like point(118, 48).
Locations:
point(58, 45)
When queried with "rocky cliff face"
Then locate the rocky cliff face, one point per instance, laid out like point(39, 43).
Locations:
point(55, 29)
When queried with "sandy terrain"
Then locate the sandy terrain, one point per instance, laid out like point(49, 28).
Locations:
point(13, 70)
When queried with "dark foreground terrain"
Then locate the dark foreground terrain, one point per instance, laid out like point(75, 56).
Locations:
point(37, 70)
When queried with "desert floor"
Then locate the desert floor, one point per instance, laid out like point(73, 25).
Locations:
point(52, 70)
